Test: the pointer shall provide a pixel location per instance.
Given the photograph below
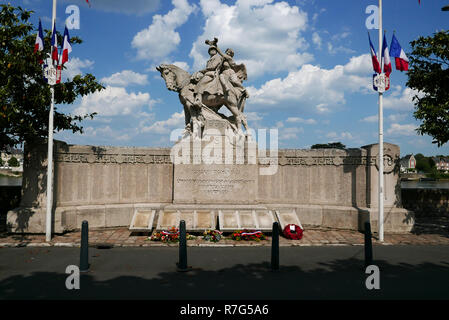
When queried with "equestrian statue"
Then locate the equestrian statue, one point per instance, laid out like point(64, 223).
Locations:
point(204, 92)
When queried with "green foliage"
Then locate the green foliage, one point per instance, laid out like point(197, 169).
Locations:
point(331, 145)
point(429, 74)
point(24, 95)
point(2, 162)
point(13, 162)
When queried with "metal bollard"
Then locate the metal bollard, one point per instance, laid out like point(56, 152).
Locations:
point(275, 247)
point(182, 264)
point(84, 252)
point(368, 245)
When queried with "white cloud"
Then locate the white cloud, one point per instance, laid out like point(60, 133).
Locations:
point(138, 7)
point(403, 102)
point(165, 126)
point(371, 119)
point(74, 67)
point(397, 117)
point(301, 120)
point(265, 36)
point(340, 136)
point(360, 65)
point(310, 87)
point(290, 133)
point(106, 133)
point(160, 38)
point(316, 39)
point(125, 78)
point(397, 129)
point(114, 101)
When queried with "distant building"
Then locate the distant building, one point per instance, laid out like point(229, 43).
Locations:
point(18, 154)
point(441, 163)
point(408, 163)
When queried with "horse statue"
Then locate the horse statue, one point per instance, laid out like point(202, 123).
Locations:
point(199, 104)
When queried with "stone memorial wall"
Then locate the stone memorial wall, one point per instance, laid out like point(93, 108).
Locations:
point(108, 185)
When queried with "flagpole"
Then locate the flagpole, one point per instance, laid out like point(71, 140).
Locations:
point(50, 145)
point(381, 139)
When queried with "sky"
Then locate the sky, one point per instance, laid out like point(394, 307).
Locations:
point(308, 63)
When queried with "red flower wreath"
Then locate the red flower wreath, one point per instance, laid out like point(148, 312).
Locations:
point(293, 231)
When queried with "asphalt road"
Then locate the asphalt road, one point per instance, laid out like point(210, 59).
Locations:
point(406, 272)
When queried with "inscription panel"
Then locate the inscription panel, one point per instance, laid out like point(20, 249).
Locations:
point(215, 183)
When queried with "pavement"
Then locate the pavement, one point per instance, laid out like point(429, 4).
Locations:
point(239, 273)
point(433, 231)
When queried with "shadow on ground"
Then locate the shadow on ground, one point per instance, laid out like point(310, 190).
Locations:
point(338, 279)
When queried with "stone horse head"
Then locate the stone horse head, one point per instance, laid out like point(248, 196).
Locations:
point(175, 77)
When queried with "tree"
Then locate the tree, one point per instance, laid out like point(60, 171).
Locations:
point(331, 145)
point(429, 74)
point(24, 95)
point(13, 162)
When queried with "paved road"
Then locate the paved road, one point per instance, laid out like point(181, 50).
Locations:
point(406, 272)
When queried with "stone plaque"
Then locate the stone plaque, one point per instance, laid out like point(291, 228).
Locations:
point(214, 183)
point(231, 220)
point(287, 216)
point(142, 220)
point(196, 220)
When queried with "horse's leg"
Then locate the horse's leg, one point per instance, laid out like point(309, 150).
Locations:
point(231, 104)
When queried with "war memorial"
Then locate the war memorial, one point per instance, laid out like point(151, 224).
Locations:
point(216, 175)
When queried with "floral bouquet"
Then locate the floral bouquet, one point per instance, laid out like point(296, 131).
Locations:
point(172, 235)
point(251, 235)
point(212, 235)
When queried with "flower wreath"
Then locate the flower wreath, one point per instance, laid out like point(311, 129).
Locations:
point(293, 231)
point(248, 235)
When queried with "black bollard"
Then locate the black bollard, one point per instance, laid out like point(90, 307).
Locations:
point(84, 254)
point(368, 245)
point(275, 247)
point(182, 264)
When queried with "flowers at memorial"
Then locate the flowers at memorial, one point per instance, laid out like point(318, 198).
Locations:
point(293, 232)
point(248, 235)
point(212, 235)
point(171, 235)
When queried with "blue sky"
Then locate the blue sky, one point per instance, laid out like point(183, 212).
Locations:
point(309, 69)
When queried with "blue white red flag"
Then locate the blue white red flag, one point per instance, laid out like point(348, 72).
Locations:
point(66, 47)
point(54, 45)
point(386, 57)
point(39, 44)
point(398, 53)
point(376, 65)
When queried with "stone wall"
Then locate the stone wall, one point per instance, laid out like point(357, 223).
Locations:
point(106, 185)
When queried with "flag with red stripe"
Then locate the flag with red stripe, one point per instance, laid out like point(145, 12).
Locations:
point(39, 44)
point(54, 44)
point(66, 47)
point(376, 65)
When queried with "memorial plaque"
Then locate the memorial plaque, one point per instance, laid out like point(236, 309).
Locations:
point(205, 183)
point(247, 219)
point(167, 219)
point(228, 220)
point(196, 220)
point(142, 220)
point(287, 216)
point(264, 220)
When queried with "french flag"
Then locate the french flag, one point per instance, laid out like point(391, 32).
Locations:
point(54, 45)
point(398, 53)
point(39, 44)
point(386, 57)
point(376, 65)
point(66, 47)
